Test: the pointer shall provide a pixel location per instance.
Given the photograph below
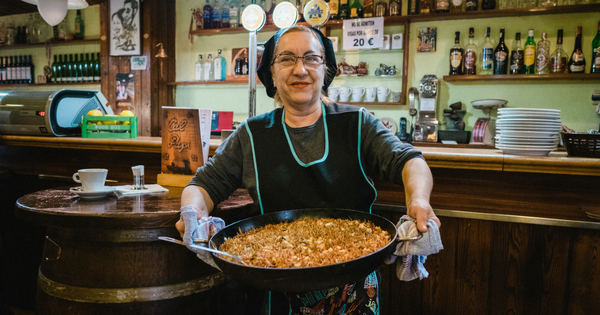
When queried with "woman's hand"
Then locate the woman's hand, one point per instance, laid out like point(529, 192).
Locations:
point(421, 210)
point(180, 225)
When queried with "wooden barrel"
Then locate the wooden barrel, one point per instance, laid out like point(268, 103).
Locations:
point(87, 271)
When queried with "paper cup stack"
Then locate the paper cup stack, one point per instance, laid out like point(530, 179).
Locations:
point(528, 131)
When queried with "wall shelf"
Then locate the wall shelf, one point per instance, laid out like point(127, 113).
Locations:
point(40, 45)
point(511, 78)
point(49, 84)
point(229, 80)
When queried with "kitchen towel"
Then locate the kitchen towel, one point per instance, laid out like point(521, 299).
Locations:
point(127, 190)
point(414, 253)
point(199, 229)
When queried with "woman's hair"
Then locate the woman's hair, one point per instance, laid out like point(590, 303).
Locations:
point(302, 29)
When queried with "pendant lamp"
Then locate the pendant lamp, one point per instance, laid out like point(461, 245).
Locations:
point(54, 11)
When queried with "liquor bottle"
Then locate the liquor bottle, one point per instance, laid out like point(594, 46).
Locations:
point(199, 66)
point(9, 70)
point(413, 7)
point(225, 14)
point(472, 5)
point(2, 70)
point(271, 11)
point(57, 70)
point(64, 69)
point(220, 68)
point(356, 10)
point(238, 66)
point(516, 56)
point(596, 53)
point(334, 7)
point(558, 59)
point(456, 6)
point(245, 66)
point(79, 27)
point(442, 6)
point(208, 69)
point(543, 55)
point(426, 6)
point(207, 15)
point(457, 62)
point(216, 16)
point(368, 9)
point(75, 74)
point(381, 8)
point(344, 10)
point(31, 70)
point(488, 4)
point(22, 69)
point(82, 69)
point(72, 70)
point(501, 56)
point(17, 70)
point(395, 8)
point(88, 75)
point(234, 14)
point(97, 64)
point(300, 9)
point(487, 55)
point(471, 55)
point(529, 60)
point(577, 61)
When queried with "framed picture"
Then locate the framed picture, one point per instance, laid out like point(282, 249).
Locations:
point(125, 30)
point(426, 40)
point(125, 92)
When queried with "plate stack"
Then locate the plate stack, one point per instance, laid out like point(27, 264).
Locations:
point(528, 131)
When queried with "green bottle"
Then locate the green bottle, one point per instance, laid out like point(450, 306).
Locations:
point(79, 27)
point(71, 68)
point(65, 70)
point(75, 74)
point(529, 60)
point(58, 75)
point(596, 52)
point(97, 68)
point(344, 11)
point(87, 75)
point(356, 10)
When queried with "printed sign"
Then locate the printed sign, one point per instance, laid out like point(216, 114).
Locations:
point(363, 33)
point(138, 63)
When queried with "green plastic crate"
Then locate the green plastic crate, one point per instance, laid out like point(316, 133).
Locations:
point(91, 129)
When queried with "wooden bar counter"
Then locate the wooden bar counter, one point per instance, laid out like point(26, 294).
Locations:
point(516, 236)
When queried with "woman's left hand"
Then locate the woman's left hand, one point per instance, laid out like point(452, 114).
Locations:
point(422, 211)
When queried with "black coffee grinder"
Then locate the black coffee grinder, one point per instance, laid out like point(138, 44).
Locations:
point(455, 126)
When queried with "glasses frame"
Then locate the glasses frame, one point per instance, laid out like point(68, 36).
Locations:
point(298, 57)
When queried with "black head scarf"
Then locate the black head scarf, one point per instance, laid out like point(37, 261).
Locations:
point(264, 68)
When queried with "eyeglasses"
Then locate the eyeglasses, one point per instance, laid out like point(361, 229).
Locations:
point(289, 60)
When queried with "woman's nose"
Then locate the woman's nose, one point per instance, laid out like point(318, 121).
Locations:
point(299, 67)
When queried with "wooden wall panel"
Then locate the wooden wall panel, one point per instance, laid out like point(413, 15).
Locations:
point(157, 26)
point(584, 283)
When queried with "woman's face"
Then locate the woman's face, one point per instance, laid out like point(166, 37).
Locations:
point(298, 85)
point(116, 25)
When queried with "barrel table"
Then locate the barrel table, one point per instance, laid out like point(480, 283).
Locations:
point(103, 256)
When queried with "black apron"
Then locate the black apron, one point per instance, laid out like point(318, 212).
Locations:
point(336, 180)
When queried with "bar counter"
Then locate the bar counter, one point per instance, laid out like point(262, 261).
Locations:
point(515, 231)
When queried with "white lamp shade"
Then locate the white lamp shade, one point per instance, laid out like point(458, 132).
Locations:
point(73, 4)
point(53, 11)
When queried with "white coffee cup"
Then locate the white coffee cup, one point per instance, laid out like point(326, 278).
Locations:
point(382, 93)
point(333, 93)
point(91, 179)
point(344, 93)
point(370, 94)
point(357, 93)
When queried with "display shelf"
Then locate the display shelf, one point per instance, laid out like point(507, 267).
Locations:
point(49, 84)
point(229, 80)
point(371, 103)
point(510, 78)
point(62, 43)
point(561, 9)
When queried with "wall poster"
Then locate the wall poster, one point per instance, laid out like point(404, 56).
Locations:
point(125, 31)
point(426, 39)
point(125, 92)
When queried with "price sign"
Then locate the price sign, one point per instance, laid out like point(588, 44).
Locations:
point(363, 33)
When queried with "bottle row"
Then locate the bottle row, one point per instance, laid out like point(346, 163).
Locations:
point(527, 59)
point(76, 70)
point(38, 31)
point(16, 70)
point(211, 70)
point(456, 6)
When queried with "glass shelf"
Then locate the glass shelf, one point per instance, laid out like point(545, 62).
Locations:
point(512, 78)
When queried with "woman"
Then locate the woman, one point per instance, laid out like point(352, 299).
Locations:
point(311, 153)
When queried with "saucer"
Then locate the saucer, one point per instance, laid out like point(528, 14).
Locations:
point(92, 194)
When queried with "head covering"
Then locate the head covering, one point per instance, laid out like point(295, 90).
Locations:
point(264, 69)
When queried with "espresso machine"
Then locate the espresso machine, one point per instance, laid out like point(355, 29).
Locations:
point(426, 127)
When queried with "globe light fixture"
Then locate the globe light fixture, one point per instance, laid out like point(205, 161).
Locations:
point(54, 11)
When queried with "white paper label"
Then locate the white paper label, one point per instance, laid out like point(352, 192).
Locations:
point(363, 33)
point(427, 104)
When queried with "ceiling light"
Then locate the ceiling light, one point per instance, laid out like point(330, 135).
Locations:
point(53, 11)
point(73, 4)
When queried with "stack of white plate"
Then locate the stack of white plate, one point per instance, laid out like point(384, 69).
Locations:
point(528, 131)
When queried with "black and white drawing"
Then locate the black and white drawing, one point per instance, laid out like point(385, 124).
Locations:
point(125, 27)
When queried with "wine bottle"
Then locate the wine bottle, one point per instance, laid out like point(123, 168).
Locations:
point(81, 67)
point(88, 71)
point(381, 8)
point(79, 27)
point(344, 10)
point(442, 6)
point(64, 69)
point(543, 55)
point(488, 4)
point(487, 55)
point(457, 62)
point(516, 56)
point(368, 9)
point(334, 7)
point(413, 7)
point(577, 61)
point(356, 10)
point(529, 60)
point(596, 53)
point(472, 5)
point(97, 68)
point(471, 55)
point(395, 8)
point(456, 6)
point(31, 70)
point(501, 56)
point(2, 71)
point(426, 6)
point(558, 59)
